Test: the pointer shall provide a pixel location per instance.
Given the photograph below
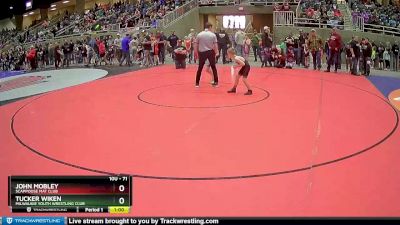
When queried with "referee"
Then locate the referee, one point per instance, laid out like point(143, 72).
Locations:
point(206, 47)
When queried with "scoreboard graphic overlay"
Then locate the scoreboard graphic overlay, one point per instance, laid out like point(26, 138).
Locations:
point(86, 194)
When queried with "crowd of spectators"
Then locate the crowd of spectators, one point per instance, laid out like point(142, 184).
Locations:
point(100, 18)
point(6, 35)
point(360, 54)
point(150, 49)
point(308, 49)
point(144, 49)
point(325, 11)
point(375, 13)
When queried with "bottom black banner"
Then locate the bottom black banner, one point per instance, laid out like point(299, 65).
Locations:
point(211, 221)
point(26, 220)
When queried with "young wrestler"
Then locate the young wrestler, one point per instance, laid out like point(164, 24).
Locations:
point(280, 60)
point(244, 71)
point(275, 51)
point(290, 59)
point(306, 57)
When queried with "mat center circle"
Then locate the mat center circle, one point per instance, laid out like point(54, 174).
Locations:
point(187, 96)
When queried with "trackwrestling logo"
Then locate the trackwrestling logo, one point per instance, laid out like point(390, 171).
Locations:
point(34, 220)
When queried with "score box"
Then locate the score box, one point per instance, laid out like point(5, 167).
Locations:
point(69, 193)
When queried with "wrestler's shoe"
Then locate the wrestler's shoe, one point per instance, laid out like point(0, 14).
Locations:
point(233, 90)
point(249, 92)
point(214, 84)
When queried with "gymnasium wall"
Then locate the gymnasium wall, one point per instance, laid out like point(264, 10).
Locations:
point(261, 20)
point(70, 9)
point(234, 10)
point(183, 25)
point(28, 20)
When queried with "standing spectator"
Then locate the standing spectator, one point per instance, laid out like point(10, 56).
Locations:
point(118, 47)
point(266, 43)
point(223, 44)
point(162, 39)
point(348, 57)
point(315, 46)
point(96, 54)
point(102, 52)
point(355, 55)
point(90, 54)
point(65, 49)
point(192, 37)
point(57, 55)
point(188, 45)
point(306, 56)
point(173, 42)
point(51, 53)
point(125, 50)
point(239, 40)
point(246, 47)
point(31, 56)
point(326, 50)
point(396, 51)
point(366, 54)
point(296, 49)
point(302, 44)
point(156, 51)
point(40, 58)
point(255, 44)
point(373, 56)
point(380, 50)
point(71, 47)
point(147, 60)
point(84, 54)
point(133, 45)
point(386, 57)
point(335, 44)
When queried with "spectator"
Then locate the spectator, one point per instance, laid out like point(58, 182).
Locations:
point(386, 57)
point(162, 41)
point(172, 42)
point(255, 44)
point(246, 47)
point(239, 40)
point(335, 44)
point(314, 44)
point(302, 45)
point(180, 56)
point(223, 44)
point(366, 54)
point(355, 55)
point(266, 44)
point(125, 50)
point(396, 51)
point(31, 56)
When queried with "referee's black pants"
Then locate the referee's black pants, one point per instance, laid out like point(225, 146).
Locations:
point(210, 56)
